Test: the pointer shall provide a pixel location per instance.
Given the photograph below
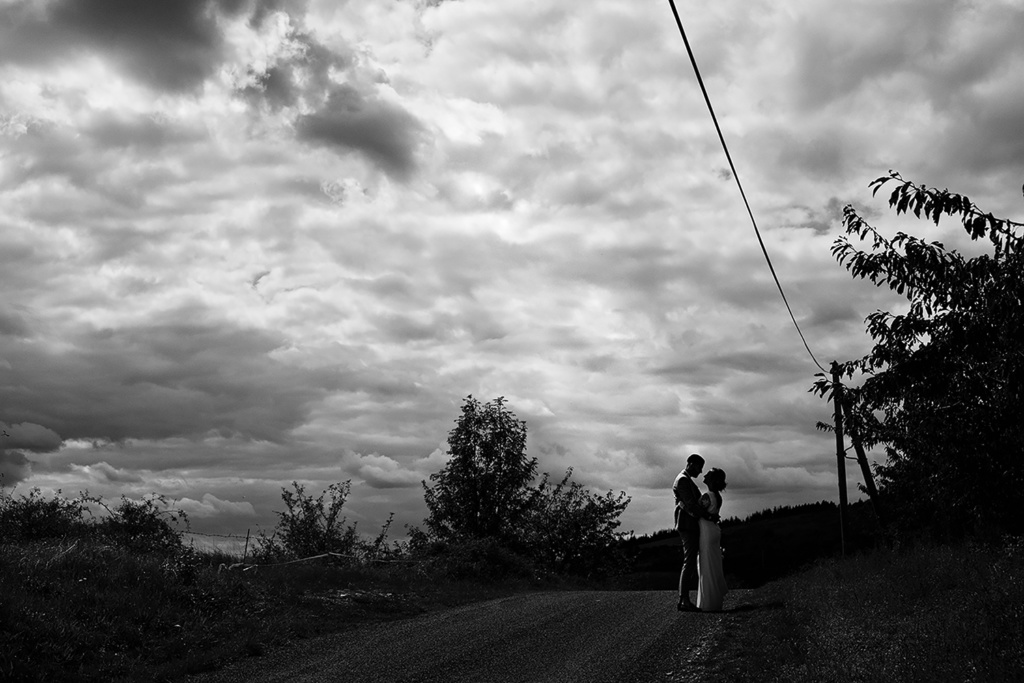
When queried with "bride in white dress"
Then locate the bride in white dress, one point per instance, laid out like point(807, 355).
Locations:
point(711, 588)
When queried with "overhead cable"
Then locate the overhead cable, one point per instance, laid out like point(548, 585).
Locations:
point(736, 176)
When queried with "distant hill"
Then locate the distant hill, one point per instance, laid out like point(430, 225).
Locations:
point(764, 546)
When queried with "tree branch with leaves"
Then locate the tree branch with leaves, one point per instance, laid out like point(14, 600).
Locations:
point(941, 390)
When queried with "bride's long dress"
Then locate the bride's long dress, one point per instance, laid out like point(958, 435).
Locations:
point(711, 588)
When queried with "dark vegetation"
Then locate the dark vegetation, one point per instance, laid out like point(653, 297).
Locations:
point(485, 495)
point(118, 596)
point(759, 548)
point(928, 612)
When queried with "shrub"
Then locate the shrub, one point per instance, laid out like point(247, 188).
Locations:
point(571, 530)
point(308, 526)
point(143, 526)
point(34, 517)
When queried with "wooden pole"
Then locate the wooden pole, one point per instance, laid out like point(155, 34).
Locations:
point(862, 460)
point(837, 397)
point(246, 551)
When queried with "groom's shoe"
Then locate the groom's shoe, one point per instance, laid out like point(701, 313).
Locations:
point(687, 607)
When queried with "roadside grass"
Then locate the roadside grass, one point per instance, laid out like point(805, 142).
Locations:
point(88, 596)
point(81, 609)
point(927, 613)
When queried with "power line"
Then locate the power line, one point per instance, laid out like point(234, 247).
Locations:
point(732, 166)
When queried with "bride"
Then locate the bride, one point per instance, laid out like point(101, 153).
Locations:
point(711, 588)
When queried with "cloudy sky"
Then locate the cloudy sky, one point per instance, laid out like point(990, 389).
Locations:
point(245, 242)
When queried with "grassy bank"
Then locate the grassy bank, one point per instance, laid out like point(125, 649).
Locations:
point(952, 613)
point(93, 591)
point(85, 610)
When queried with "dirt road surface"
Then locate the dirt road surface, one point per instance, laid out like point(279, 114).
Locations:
point(591, 637)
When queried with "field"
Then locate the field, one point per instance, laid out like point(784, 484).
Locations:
point(928, 613)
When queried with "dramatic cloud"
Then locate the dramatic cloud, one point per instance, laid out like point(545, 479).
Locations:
point(30, 437)
point(182, 378)
point(170, 44)
point(250, 242)
point(386, 133)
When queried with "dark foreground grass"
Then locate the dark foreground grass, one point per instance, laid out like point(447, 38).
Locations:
point(950, 613)
point(82, 610)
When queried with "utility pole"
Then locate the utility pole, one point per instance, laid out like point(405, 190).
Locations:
point(837, 398)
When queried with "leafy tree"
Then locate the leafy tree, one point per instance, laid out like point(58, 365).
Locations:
point(942, 388)
point(570, 529)
point(483, 491)
point(486, 511)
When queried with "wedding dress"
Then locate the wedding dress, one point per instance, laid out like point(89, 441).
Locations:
point(711, 588)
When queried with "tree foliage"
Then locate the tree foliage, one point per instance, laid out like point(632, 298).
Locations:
point(571, 529)
point(941, 390)
point(484, 489)
point(486, 495)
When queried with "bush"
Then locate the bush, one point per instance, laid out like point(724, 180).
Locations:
point(34, 517)
point(571, 530)
point(142, 526)
point(308, 526)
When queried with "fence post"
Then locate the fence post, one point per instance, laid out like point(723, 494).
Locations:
point(245, 552)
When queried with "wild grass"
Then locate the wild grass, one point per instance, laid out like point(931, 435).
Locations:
point(120, 597)
point(926, 613)
point(84, 610)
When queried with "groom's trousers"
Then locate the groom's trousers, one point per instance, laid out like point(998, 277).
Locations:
point(688, 576)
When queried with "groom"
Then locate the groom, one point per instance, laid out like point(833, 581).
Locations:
point(688, 512)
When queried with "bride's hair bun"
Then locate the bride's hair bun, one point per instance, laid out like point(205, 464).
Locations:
point(718, 476)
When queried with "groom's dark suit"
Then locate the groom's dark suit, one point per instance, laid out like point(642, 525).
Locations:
point(688, 525)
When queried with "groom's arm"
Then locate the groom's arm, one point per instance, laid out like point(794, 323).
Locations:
point(689, 499)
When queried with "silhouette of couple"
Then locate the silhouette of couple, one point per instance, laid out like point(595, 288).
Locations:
point(696, 520)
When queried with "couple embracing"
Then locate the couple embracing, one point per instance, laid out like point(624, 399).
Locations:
point(696, 520)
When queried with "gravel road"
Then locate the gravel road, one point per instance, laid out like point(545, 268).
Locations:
point(539, 637)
